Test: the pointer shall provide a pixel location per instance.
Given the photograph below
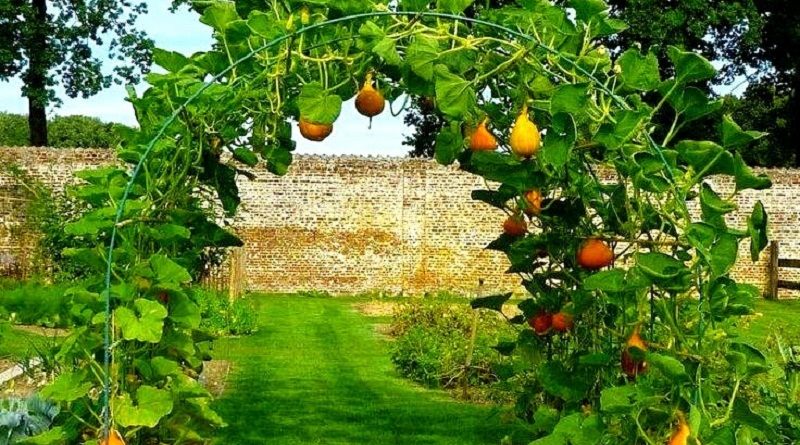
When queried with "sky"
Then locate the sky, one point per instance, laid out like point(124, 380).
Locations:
point(183, 32)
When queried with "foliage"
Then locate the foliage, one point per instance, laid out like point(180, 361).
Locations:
point(433, 340)
point(73, 131)
point(52, 43)
point(23, 418)
point(672, 276)
point(54, 306)
point(222, 315)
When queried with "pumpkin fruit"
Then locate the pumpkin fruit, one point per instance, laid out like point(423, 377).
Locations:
point(631, 365)
point(682, 432)
point(369, 101)
point(314, 131)
point(482, 139)
point(515, 225)
point(533, 202)
point(525, 138)
point(562, 322)
point(541, 323)
point(114, 438)
point(595, 254)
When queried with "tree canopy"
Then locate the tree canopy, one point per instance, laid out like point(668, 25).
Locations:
point(63, 132)
point(50, 43)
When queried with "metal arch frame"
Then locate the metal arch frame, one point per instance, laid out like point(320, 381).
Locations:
point(106, 414)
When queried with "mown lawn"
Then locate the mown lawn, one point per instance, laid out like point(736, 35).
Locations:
point(318, 373)
point(782, 317)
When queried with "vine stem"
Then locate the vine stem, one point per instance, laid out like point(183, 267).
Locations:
point(729, 411)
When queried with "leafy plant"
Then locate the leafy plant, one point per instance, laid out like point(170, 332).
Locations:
point(22, 418)
point(222, 315)
point(537, 65)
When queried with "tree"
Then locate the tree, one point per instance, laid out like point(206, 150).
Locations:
point(63, 132)
point(50, 43)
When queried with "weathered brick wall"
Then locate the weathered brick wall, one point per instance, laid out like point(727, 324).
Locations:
point(348, 224)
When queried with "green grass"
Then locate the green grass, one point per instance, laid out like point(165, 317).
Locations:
point(773, 317)
point(16, 344)
point(317, 373)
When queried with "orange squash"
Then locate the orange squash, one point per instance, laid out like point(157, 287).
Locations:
point(369, 101)
point(482, 139)
point(525, 138)
point(682, 432)
point(632, 366)
point(114, 438)
point(515, 225)
point(533, 202)
point(595, 254)
point(313, 131)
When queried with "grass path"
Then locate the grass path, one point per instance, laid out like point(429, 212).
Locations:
point(316, 373)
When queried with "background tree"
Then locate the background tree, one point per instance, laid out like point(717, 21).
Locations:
point(63, 132)
point(48, 43)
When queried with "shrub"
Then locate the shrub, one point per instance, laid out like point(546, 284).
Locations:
point(223, 316)
point(63, 131)
point(51, 305)
point(433, 340)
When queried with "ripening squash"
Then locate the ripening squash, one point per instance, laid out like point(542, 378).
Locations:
point(369, 101)
point(525, 138)
point(313, 131)
point(482, 139)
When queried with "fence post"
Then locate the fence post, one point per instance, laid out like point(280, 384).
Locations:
point(772, 281)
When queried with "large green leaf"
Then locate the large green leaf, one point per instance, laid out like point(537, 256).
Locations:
point(184, 311)
point(628, 123)
point(449, 144)
point(618, 399)
point(455, 96)
point(170, 60)
point(706, 157)
point(757, 225)
point(612, 280)
point(713, 207)
point(68, 386)
point(690, 66)
point(421, 56)
point(453, 6)
point(318, 105)
point(167, 271)
point(559, 141)
point(746, 179)
point(570, 98)
point(661, 266)
point(734, 137)
point(587, 9)
point(219, 14)
point(639, 72)
point(723, 254)
point(671, 367)
point(145, 324)
point(152, 404)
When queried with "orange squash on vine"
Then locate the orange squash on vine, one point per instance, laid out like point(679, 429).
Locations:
point(595, 254)
point(482, 139)
point(682, 432)
point(114, 438)
point(314, 131)
point(631, 365)
point(533, 202)
point(525, 138)
point(369, 101)
point(515, 225)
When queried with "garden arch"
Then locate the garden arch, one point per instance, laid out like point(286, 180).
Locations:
point(593, 111)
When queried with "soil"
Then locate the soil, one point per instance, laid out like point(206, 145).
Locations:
point(377, 308)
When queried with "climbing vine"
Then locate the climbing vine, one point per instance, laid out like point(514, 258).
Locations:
point(614, 225)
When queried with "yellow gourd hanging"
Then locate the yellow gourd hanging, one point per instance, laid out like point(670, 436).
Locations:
point(525, 139)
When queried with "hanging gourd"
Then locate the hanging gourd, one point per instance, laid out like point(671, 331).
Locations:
point(525, 138)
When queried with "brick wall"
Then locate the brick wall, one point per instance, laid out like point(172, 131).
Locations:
point(349, 224)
